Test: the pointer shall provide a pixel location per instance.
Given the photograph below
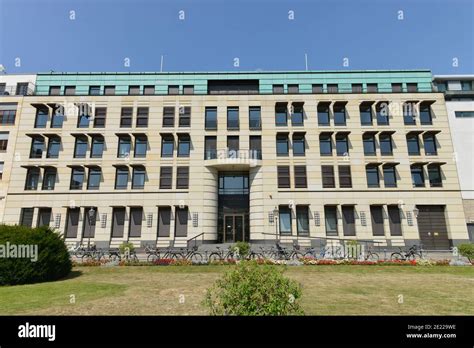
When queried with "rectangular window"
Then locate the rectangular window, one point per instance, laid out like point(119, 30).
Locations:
point(138, 177)
point(293, 89)
point(93, 181)
point(325, 145)
point(425, 114)
point(70, 90)
point(327, 173)
point(142, 117)
point(465, 114)
point(413, 144)
point(57, 117)
point(168, 116)
point(141, 146)
point(333, 88)
point(72, 222)
point(372, 88)
point(136, 218)
point(385, 140)
point(369, 144)
point(412, 87)
point(133, 90)
point(211, 118)
point(345, 177)
point(356, 88)
point(382, 113)
point(22, 88)
point(281, 115)
point(26, 216)
point(188, 90)
point(3, 141)
point(173, 90)
point(32, 179)
point(255, 145)
point(233, 146)
point(166, 177)
point(118, 222)
point(182, 178)
point(300, 177)
point(389, 176)
point(126, 117)
point(397, 87)
point(330, 216)
point(97, 147)
point(185, 116)
point(54, 145)
point(278, 89)
point(342, 144)
point(409, 113)
point(376, 212)
point(121, 178)
point(348, 220)
point(94, 90)
point(109, 90)
point(232, 118)
point(298, 144)
point(429, 141)
point(255, 121)
point(417, 176)
point(323, 114)
point(184, 145)
point(149, 90)
point(80, 149)
point(434, 174)
point(41, 119)
point(302, 220)
point(285, 220)
point(8, 116)
point(372, 176)
point(2, 88)
point(44, 217)
point(282, 145)
point(77, 178)
point(394, 220)
point(210, 147)
point(167, 145)
point(164, 221)
point(181, 222)
point(124, 146)
point(99, 118)
point(339, 114)
point(37, 147)
point(283, 173)
point(317, 88)
point(365, 114)
point(82, 120)
point(297, 118)
point(54, 90)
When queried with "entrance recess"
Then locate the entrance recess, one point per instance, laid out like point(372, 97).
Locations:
point(234, 228)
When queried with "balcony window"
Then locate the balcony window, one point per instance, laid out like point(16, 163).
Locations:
point(138, 177)
point(232, 118)
point(298, 144)
point(54, 145)
point(167, 146)
point(80, 148)
point(77, 178)
point(323, 114)
point(124, 147)
point(369, 144)
point(325, 145)
point(93, 181)
point(37, 147)
point(255, 121)
point(282, 145)
point(211, 118)
point(417, 176)
point(121, 178)
point(141, 146)
point(281, 115)
point(184, 145)
point(372, 173)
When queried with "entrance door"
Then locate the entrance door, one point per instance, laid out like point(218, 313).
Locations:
point(432, 227)
point(234, 228)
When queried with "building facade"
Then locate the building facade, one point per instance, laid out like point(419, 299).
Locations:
point(160, 158)
point(459, 95)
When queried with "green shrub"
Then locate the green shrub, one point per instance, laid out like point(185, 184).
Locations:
point(252, 289)
point(242, 247)
point(467, 250)
point(123, 247)
point(51, 254)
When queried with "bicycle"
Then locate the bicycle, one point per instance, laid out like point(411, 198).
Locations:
point(221, 255)
point(92, 253)
point(411, 254)
point(252, 255)
point(189, 254)
point(165, 253)
point(371, 256)
point(284, 254)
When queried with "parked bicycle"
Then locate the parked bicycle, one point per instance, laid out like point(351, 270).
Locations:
point(371, 256)
point(164, 253)
point(221, 255)
point(285, 254)
point(413, 253)
point(189, 254)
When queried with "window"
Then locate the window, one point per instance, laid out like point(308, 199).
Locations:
point(54, 90)
point(298, 144)
point(37, 147)
point(82, 120)
point(372, 176)
point(41, 117)
point(149, 90)
point(97, 147)
point(342, 144)
point(126, 117)
point(325, 145)
point(210, 147)
point(3, 141)
point(293, 89)
point(283, 173)
point(94, 90)
point(282, 145)
point(233, 146)
point(93, 181)
point(466, 85)
point(413, 144)
point(255, 145)
point(281, 116)
point(323, 114)
point(124, 146)
point(317, 88)
point(332, 88)
point(434, 174)
point(166, 177)
point(2, 88)
point(57, 117)
point(54, 145)
point(99, 119)
point(142, 117)
point(356, 88)
point(348, 220)
point(429, 141)
point(136, 219)
point(32, 179)
point(211, 118)
point(412, 87)
point(80, 148)
point(382, 110)
point(167, 145)
point(182, 178)
point(330, 215)
point(22, 88)
point(7, 116)
point(109, 90)
point(339, 114)
point(442, 86)
point(425, 114)
point(372, 88)
point(369, 144)
point(255, 121)
point(232, 118)
point(118, 222)
point(133, 90)
point(302, 219)
point(173, 90)
point(464, 114)
point(345, 178)
point(376, 212)
point(327, 173)
point(285, 220)
point(385, 140)
point(389, 176)
point(365, 114)
point(188, 89)
point(184, 145)
point(409, 113)
point(181, 222)
point(168, 116)
point(70, 90)
point(77, 178)
point(185, 116)
point(141, 146)
point(394, 220)
point(121, 178)
point(397, 88)
point(297, 113)
point(138, 177)
point(26, 216)
point(417, 176)
point(278, 89)
point(300, 177)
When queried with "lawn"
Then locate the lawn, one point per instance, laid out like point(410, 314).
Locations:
point(327, 290)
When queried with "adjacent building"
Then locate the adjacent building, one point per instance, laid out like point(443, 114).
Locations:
point(168, 158)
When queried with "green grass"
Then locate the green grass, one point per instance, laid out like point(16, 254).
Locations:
point(327, 290)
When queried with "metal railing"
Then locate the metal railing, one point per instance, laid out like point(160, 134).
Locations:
point(14, 91)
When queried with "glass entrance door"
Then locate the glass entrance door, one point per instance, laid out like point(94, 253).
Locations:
point(234, 228)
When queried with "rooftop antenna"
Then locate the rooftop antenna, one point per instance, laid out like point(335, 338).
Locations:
point(306, 61)
point(161, 65)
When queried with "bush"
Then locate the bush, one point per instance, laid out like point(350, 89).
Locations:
point(243, 248)
point(252, 289)
point(123, 247)
point(45, 245)
point(467, 250)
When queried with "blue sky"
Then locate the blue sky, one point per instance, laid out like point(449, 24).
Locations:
point(258, 32)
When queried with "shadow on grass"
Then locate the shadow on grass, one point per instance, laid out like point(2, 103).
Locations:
point(72, 275)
